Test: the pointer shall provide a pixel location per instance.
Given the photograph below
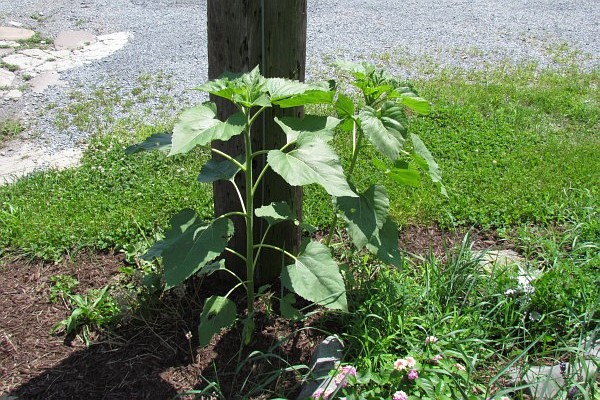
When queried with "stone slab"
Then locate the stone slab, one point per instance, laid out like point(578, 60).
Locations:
point(22, 61)
point(13, 94)
point(6, 52)
point(44, 81)
point(6, 78)
point(20, 158)
point(14, 33)
point(9, 43)
point(37, 53)
point(327, 356)
point(73, 39)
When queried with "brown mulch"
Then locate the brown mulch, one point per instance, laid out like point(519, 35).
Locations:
point(147, 356)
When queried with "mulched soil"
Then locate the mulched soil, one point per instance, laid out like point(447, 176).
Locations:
point(147, 356)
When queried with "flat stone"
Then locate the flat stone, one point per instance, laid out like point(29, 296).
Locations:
point(13, 94)
point(37, 53)
point(326, 357)
point(73, 39)
point(44, 81)
point(499, 258)
point(22, 61)
point(9, 43)
point(6, 78)
point(14, 33)
point(59, 65)
point(545, 382)
point(27, 157)
point(5, 52)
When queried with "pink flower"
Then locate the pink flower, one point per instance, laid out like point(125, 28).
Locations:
point(324, 394)
point(436, 359)
point(399, 395)
point(400, 364)
point(410, 362)
point(460, 367)
point(430, 339)
point(412, 374)
point(340, 380)
point(349, 370)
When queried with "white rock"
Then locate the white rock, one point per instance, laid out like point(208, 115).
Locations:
point(9, 43)
point(22, 61)
point(15, 24)
point(73, 39)
point(6, 78)
point(12, 33)
point(45, 80)
point(13, 94)
point(37, 53)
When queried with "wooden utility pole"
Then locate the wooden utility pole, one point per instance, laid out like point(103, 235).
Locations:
point(241, 35)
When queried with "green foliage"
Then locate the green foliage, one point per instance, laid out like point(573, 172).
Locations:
point(306, 159)
point(61, 286)
point(109, 201)
point(95, 309)
point(458, 310)
point(10, 128)
point(190, 246)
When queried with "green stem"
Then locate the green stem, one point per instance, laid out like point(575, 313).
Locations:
point(227, 156)
point(270, 246)
point(249, 219)
point(240, 256)
point(256, 115)
point(260, 176)
point(262, 241)
point(357, 136)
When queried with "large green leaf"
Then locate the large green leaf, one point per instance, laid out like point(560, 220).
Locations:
point(199, 126)
point(365, 214)
point(275, 213)
point(247, 89)
point(193, 248)
point(215, 170)
point(316, 277)
point(286, 306)
point(415, 103)
point(180, 223)
point(384, 244)
point(218, 313)
point(158, 141)
point(344, 106)
point(425, 160)
point(385, 128)
point(313, 161)
point(321, 127)
point(401, 172)
point(288, 93)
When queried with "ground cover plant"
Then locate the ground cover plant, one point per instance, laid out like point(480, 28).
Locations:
point(441, 313)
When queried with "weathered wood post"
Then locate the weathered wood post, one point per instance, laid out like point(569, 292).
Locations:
point(241, 35)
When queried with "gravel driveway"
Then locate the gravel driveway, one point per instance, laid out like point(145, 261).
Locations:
point(170, 36)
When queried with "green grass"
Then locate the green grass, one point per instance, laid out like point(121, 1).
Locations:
point(517, 146)
point(10, 128)
point(512, 142)
point(466, 306)
point(110, 200)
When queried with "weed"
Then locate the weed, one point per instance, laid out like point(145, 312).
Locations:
point(61, 287)
point(93, 310)
point(36, 41)
point(10, 128)
point(38, 16)
point(7, 66)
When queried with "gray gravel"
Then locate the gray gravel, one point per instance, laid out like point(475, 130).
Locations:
point(170, 36)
